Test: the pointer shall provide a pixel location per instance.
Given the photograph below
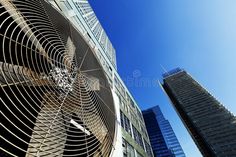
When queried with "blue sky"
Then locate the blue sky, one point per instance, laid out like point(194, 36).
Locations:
point(199, 36)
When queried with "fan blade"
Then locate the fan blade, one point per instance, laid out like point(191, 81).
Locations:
point(19, 19)
point(19, 75)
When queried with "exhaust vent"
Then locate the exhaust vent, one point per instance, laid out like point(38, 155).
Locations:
point(55, 98)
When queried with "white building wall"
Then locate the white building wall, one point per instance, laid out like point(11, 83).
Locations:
point(118, 150)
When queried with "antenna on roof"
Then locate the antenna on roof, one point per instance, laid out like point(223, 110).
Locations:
point(163, 69)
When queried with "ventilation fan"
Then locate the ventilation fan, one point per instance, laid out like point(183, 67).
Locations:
point(55, 98)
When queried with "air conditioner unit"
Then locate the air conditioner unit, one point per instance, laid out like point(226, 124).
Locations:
point(55, 98)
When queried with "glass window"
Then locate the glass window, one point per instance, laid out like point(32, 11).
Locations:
point(67, 4)
point(128, 150)
point(125, 123)
point(148, 148)
point(137, 137)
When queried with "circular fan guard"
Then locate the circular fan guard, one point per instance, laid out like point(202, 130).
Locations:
point(55, 98)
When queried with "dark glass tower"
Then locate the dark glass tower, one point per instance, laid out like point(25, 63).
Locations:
point(163, 140)
point(210, 124)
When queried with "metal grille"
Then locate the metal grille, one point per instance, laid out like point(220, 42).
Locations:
point(55, 98)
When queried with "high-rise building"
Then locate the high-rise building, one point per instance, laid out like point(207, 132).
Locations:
point(211, 125)
point(61, 94)
point(162, 137)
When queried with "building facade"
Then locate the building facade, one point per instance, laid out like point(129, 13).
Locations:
point(74, 64)
point(211, 125)
point(162, 137)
